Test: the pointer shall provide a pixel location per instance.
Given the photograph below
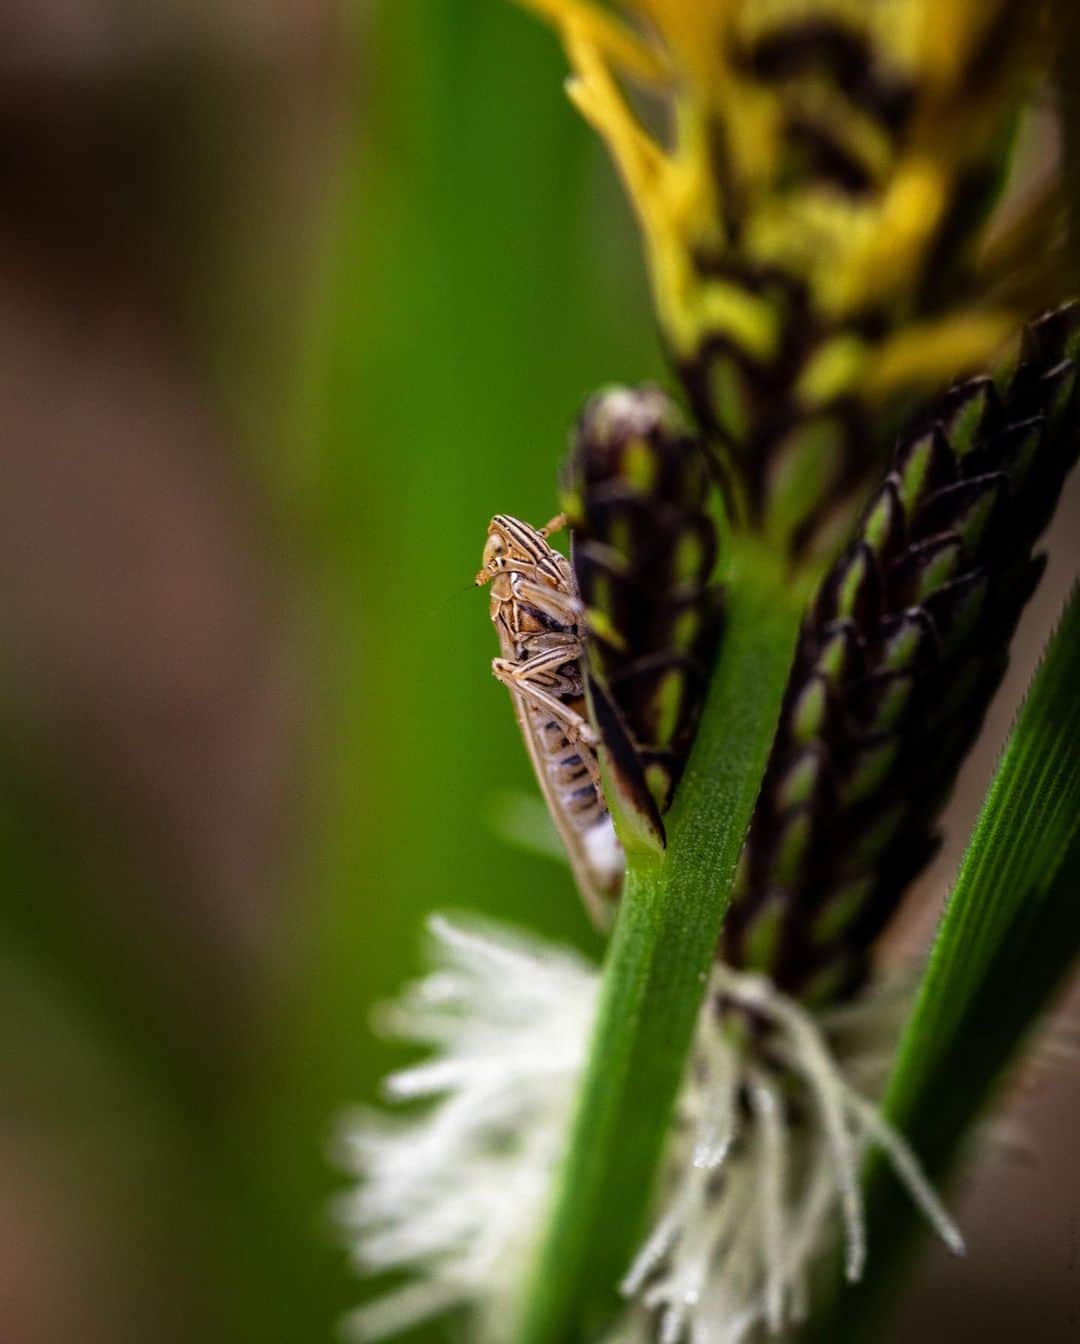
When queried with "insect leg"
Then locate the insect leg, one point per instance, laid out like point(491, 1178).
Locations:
point(560, 606)
point(543, 666)
point(522, 678)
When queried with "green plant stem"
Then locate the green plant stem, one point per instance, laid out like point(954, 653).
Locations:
point(657, 966)
point(1009, 935)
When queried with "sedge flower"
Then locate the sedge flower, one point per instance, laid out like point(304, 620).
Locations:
point(636, 492)
point(774, 1116)
point(814, 219)
point(899, 656)
point(454, 1190)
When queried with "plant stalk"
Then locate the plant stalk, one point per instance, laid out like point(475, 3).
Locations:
point(657, 966)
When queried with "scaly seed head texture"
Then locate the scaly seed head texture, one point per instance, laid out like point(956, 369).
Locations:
point(637, 493)
point(899, 658)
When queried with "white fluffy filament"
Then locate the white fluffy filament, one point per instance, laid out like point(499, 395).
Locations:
point(454, 1191)
point(771, 1134)
point(733, 1248)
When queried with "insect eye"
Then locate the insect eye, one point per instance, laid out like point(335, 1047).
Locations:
point(494, 550)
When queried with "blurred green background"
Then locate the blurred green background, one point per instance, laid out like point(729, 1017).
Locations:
point(295, 297)
point(319, 291)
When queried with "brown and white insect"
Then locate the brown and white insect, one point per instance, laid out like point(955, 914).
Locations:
point(538, 616)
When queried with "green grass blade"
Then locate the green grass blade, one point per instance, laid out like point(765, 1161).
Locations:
point(1009, 934)
point(663, 944)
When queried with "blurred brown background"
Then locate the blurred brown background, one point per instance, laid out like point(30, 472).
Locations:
point(178, 174)
point(167, 171)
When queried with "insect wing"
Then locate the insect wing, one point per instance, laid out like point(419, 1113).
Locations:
point(594, 854)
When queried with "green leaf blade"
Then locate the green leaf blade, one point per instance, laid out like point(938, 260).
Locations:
point(1009, 935)
point(1011, 873)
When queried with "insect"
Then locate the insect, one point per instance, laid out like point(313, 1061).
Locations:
point(537, 613)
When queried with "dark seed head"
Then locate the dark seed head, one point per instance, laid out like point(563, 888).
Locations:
point(898, 660)
point(637, 495)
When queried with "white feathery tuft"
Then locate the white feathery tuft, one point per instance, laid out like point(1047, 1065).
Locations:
point(732, 1249)
point(762, 1168)
point(454, 1192)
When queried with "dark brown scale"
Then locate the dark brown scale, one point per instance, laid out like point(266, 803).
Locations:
point(826, 156)
point(827, 47)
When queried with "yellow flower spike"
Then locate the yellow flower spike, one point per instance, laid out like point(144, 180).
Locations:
point(889, 259)
point(837, 365)
point(619, 44)
point(646, 170)
point(916, 354)
point(812, 224)
point(669, 193)
point(696, 33)
point(593, 91)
